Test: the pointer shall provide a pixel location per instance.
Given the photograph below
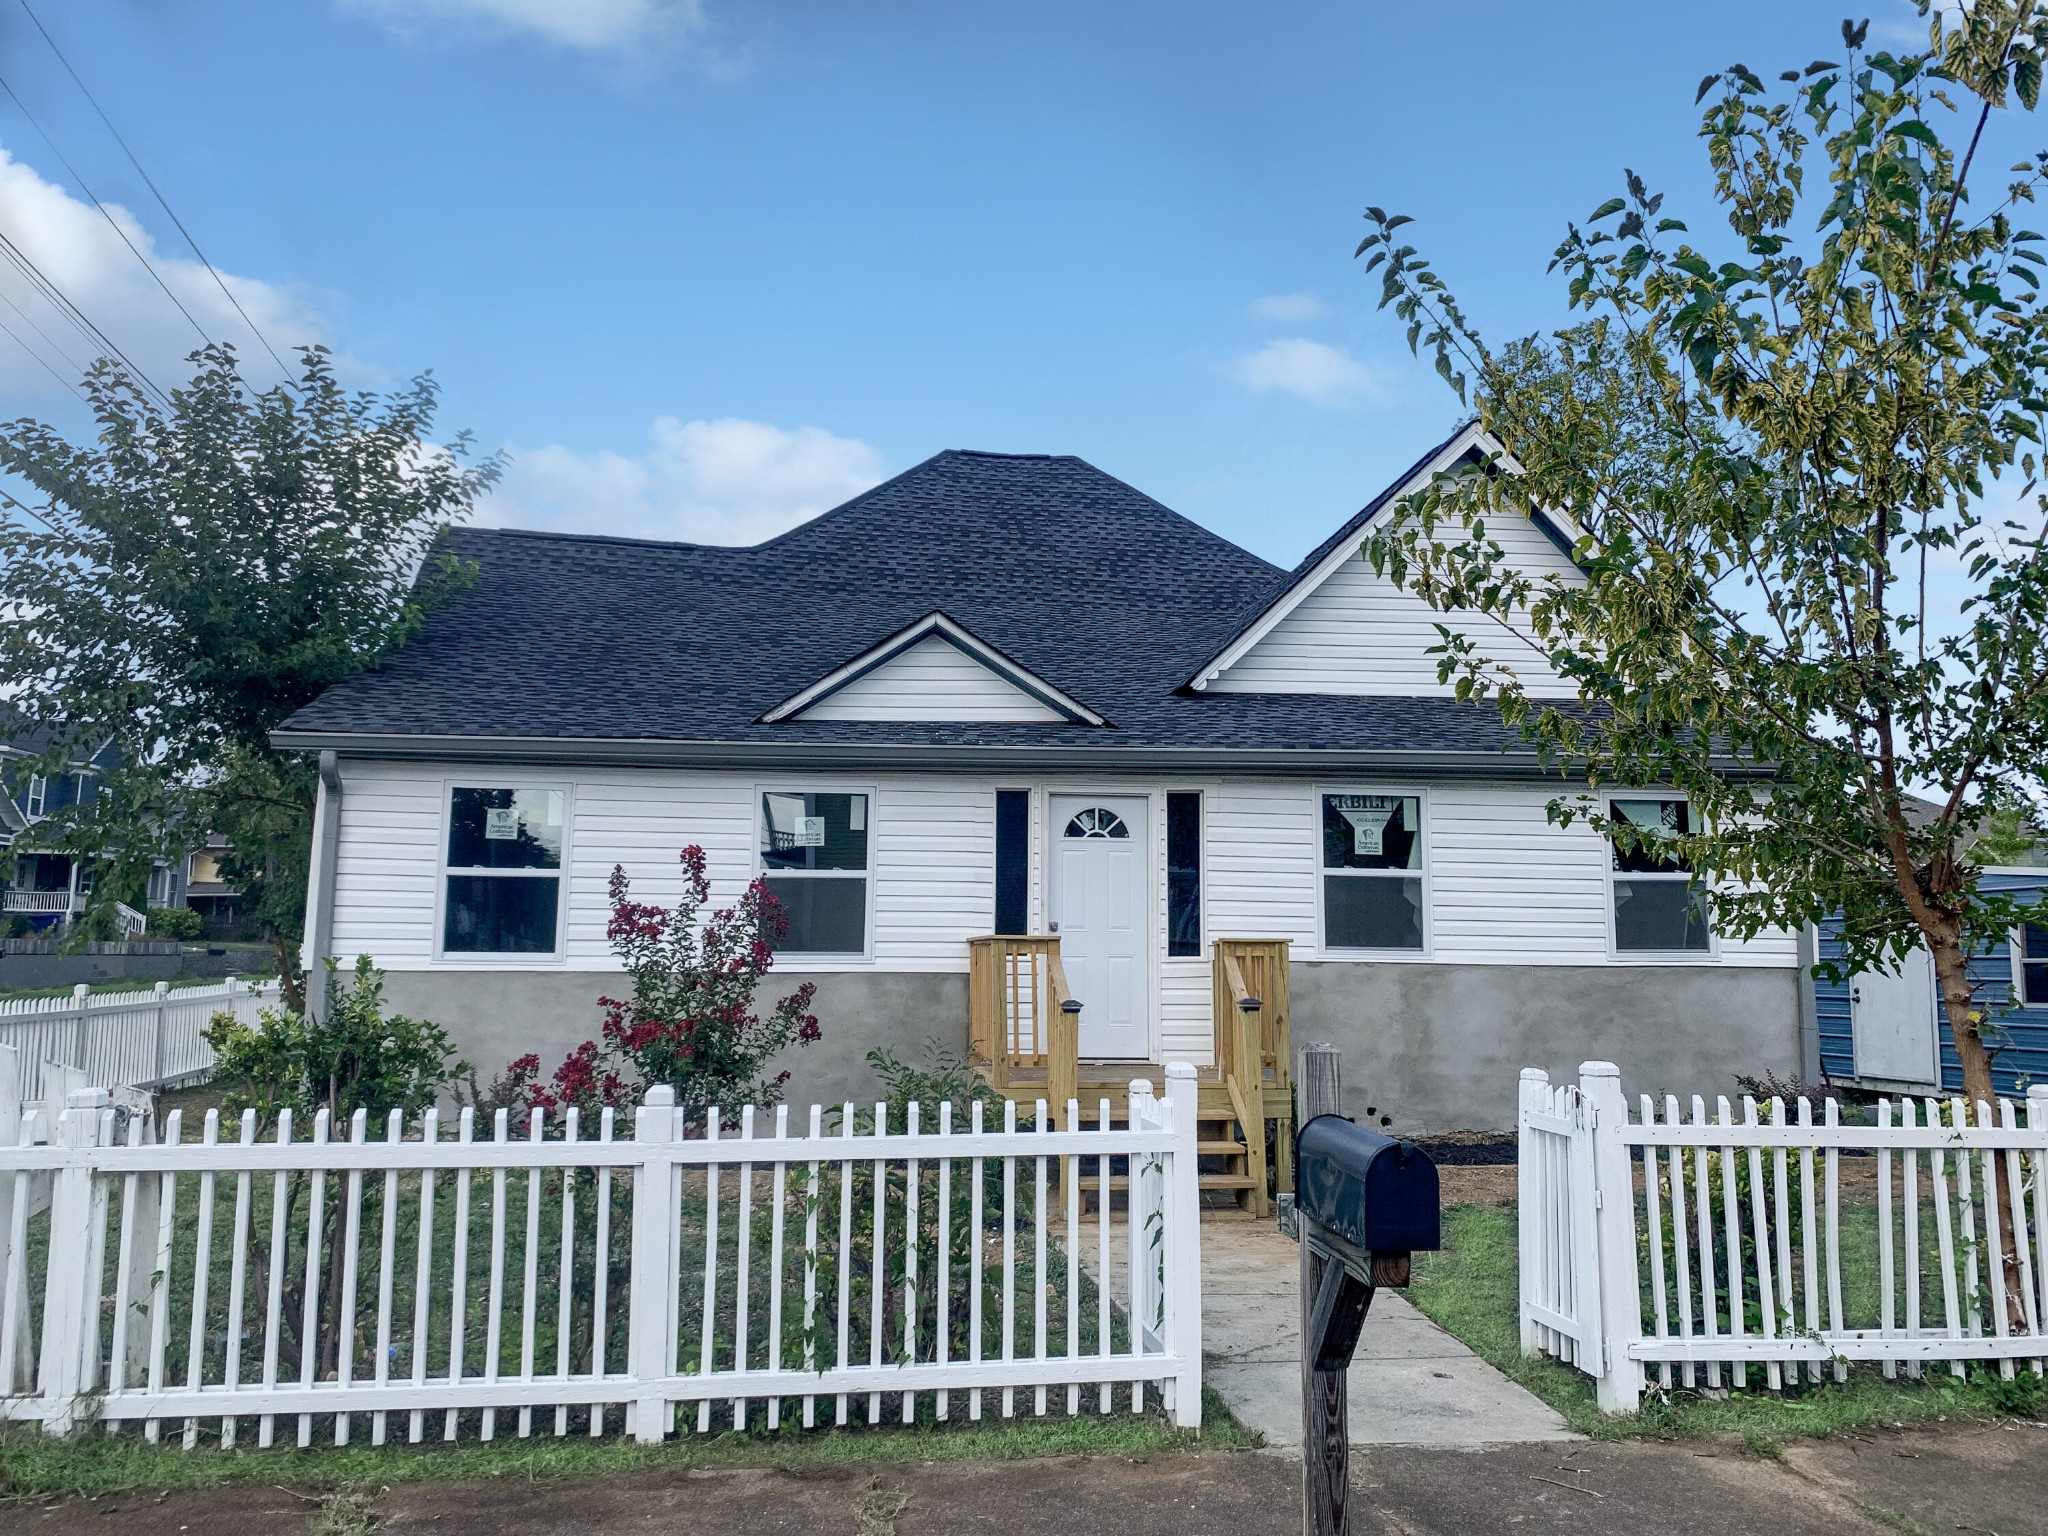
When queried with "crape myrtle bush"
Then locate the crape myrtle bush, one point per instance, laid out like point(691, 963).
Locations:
point(691, 1021)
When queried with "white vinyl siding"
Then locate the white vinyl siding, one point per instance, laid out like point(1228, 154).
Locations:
point(933, 680)
point(1358, 633)
point(1506, 887)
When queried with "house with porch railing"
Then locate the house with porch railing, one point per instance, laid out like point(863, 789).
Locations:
point(41, 884)
point(1041, 771)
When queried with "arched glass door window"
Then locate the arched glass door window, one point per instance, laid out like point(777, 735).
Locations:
point(1097, 821)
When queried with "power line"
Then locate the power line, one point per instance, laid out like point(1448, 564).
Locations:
point(29, 321)
point(112, 222)
point(162, 202)
point(32, 352)
point(70, 311)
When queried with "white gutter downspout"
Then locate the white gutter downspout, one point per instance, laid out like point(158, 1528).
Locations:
point(320, 885)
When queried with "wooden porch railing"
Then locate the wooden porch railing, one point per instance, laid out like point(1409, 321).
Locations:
point(1022, 1017)
point(1254, 1052)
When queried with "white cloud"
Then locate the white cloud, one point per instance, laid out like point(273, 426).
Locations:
point(589, 24)
point(1293, 308)
point(709, 482)
point(66, 239)
point(1296, 366)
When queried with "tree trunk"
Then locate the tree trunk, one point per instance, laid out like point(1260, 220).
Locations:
point(1965, 1021)
point(291, 983)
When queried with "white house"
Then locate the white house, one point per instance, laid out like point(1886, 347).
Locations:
point(1011, 694)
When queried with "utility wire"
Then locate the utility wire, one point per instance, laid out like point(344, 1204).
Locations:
point(28, 320)
point(62, 302)
point(112, 223)
point(162, 202)
point(32, 352)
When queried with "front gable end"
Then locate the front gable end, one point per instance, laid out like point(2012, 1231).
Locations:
point(1342, 628)
point(934, 670)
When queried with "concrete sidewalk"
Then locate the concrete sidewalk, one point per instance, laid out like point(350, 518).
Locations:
point(1411, 1382)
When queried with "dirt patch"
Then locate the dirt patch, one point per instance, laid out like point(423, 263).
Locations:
point(1477, 1183)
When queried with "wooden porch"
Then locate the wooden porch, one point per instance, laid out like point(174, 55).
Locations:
point(1024, 1030)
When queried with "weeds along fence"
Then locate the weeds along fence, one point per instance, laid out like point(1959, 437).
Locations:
point(1675, 1248)
point(143, 1039)
point(533, 1275)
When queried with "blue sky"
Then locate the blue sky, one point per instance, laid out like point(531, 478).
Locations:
point(708, 268)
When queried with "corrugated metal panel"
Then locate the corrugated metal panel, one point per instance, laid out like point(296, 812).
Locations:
point(933, 680)
point(1359, 633)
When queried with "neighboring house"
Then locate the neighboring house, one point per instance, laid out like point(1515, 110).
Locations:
point(1011, 694)
point(1884, 1028)
point(41, 886)
point(209, 894)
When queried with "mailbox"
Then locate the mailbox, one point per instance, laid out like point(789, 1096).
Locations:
point(1376, 1193)
point(1366, 1202)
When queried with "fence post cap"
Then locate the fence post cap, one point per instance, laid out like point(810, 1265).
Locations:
point(1141, 1086)
point(1599, 1069)
point(89, 1098)
point(161, 988)
point(1535, 1075)
point(81, 991)
point(1071, 1005)
point(1186, 1069)
point(2037, 1091)
point(662, 1095)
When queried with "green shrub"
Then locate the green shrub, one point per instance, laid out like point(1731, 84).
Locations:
point(180, 923)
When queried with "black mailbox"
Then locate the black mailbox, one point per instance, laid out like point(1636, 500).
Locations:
point(1376, 1193)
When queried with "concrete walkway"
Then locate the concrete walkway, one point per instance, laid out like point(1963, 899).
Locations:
point(1411, 1382)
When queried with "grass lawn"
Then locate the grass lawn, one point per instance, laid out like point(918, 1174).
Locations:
point(1470, 1289)
point(33, 1465)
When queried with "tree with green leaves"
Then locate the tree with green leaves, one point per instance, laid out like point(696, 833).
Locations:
point(203, 568)
point(1804, 455)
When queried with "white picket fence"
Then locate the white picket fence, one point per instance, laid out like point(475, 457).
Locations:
point(1699, 1248)
point(148, 1038)
point(548, 1272)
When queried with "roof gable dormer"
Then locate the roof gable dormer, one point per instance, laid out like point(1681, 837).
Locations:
point(1339, 627)
point(934, 669)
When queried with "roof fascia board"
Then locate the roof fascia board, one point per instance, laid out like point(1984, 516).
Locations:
point(1489, 764)
point(1297, 594)
point(962, 640)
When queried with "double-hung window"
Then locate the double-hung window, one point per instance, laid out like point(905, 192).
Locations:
point(503, 878)
point(2032, 979)
point(814, 853)
point(1373, 872)
point(1657, 907)
point(38, 796)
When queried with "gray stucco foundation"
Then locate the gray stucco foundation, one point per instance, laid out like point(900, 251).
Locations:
point(495, 1016)
point(1441, 1047)
point(1436, 1047)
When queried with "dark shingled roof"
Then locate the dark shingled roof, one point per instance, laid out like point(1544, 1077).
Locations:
point(1097, 588)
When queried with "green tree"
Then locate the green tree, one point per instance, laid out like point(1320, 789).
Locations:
point(199, 571)
point(1783, 443)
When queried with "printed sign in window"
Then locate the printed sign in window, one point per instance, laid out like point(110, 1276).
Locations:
point(810, 832)
point(1368, 815)
point(501, 823)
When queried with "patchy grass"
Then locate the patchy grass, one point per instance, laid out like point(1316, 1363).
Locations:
point(33, 1465)
point(1470, 1289)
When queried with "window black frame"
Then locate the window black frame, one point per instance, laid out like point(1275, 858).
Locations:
point(1183, 873)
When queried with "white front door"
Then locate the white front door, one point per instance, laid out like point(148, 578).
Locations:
point(1892, 1016)
point(1098, 910)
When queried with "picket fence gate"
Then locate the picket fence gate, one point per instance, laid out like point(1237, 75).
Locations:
point(1695, 1250)
point(148, 1038)
point(754, 1276)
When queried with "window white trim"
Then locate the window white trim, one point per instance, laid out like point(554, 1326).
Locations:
point(2016, 948)
point(823, 959)
point(481, 960)
point(1615, 952)
point(37, 798)
point(1425, 873)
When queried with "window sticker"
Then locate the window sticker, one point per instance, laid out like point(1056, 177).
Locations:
point(810, 832)
point(1368, 815)
point(501, 823)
